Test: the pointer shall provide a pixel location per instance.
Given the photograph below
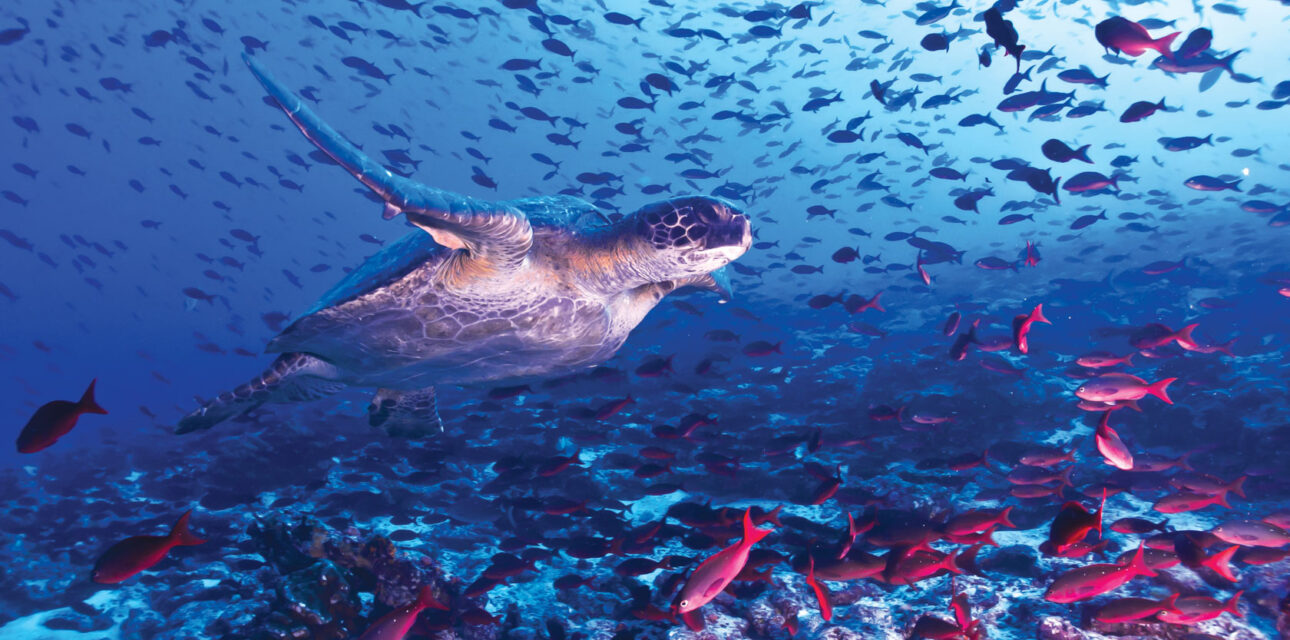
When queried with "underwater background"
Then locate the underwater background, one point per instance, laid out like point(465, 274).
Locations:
point(923, 460)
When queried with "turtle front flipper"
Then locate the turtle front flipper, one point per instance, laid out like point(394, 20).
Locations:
point(293, 377)
point(717, 282)
point(496, 233)
point(405, 414)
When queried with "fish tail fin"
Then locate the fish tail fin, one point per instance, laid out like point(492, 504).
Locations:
point(1138, 565)
point(1004, 521)
point(1233, 604)
point(181, 536)
point(1226, 63)
point(1171, 603)
point(1037, 315)
point(1226, 348)
point(1222, 500)
point(1236, 186)
point(1065, 477)
point(1235, 486)
point(1082, 153)
point(875, 303)
point(1221, 562)
point(1157, 389)
point(1164, 43)
point(773, 516)
point(427, 600)
point(950, 563)
point(751, 533)
point(87, 403)
point(1128, 360)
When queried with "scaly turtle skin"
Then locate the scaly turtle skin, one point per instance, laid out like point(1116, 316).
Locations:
point(490, 291)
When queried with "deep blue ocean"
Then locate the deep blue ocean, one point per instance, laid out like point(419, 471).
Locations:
point(531, 319)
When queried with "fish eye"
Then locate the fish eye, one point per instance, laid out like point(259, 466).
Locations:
point(685, 603)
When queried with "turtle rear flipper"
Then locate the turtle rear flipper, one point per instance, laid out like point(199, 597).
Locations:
point(497, 233)
point(405, 414)
point(293, 377)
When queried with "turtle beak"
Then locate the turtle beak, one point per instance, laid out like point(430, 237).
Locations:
point(731, 239)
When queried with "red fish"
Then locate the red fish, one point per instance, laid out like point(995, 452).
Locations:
point(857, 304)
point(138, 553)
point(951, 324)
point(1130, 609)
point(1157, 335)
point(821, 593)
point(1072, 524)
point(959, 349)
point(556, 464)
point(1185, 501)
point(396, 624)
point(827, 488)
point(1032, 256)
point(53, 420)
point(855, 566)
point(655, 368)
point(1208, 484)
point(1096, 579)
point(612, 407)
point(715, 573)
point(978, 520)
point(912, 565)
point(762, 348)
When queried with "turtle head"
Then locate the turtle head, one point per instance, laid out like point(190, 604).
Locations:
point(689, 236)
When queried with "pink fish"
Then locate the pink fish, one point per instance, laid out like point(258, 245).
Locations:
point(1130, 38)
point(1201, 608)
point(1096, 579)
point(1110, 446)
point(1252, 533)
point(1115, 387)
point(715, 573)
point(396, 624)
point(1100, 359)
point(1021, 327)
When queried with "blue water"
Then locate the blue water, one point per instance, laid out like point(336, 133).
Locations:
point(163, 221)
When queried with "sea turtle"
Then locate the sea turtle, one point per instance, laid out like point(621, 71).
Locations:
point(486, 291)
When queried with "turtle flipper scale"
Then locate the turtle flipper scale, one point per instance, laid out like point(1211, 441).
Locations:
point(293, 377)
point(495, 232)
